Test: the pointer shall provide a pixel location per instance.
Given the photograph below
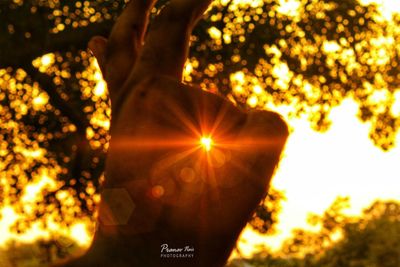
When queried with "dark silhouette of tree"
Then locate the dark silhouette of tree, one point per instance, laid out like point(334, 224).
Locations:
point(265, 216)
point(368, 240)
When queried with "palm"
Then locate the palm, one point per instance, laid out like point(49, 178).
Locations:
point(187, 193)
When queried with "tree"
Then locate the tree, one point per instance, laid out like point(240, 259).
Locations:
point(372, 239)
point(310, 56)
point(55, 112)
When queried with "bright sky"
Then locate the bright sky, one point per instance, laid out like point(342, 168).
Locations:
point(388, 7)
point(318, 167)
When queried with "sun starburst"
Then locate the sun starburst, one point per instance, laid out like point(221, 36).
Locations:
point(206, 142)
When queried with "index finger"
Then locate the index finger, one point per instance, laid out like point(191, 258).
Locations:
point(131, 24)
point(167, 42)
point(125, 41)
point(195, 8)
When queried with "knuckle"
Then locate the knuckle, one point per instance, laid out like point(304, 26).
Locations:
point(274, 123)
point(279, 124)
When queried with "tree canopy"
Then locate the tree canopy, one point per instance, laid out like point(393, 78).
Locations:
point(372, 239)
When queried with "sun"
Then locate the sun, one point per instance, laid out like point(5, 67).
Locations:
point(206, 143)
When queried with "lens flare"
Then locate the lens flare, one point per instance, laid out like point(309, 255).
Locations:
point(206, 143)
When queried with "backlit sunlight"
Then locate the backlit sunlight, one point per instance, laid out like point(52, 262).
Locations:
point(206, 143)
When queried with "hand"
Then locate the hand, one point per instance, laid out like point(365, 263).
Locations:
point(185, 167)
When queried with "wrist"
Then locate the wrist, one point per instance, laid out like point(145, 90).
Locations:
point(155, 249)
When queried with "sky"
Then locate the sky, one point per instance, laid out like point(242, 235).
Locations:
point(387, 7)
point(340, 162)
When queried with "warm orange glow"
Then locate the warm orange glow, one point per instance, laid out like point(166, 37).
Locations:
point(79, 234)
point(315, 167)
point(206, 143)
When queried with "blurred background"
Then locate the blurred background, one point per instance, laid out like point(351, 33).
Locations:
point(330, 67)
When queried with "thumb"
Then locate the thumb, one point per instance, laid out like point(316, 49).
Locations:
point(98, 46)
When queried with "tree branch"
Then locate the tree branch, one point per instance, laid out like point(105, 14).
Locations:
point(77, 118)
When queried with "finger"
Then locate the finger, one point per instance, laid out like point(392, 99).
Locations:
point(124, 43)
point(167, 42)
point(98, 46)
point(194, 8)
point(130, 27)
point(264, 136)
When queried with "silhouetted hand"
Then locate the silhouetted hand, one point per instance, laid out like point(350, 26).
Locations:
point(185, 167)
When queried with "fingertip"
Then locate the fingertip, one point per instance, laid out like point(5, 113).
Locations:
point(99, 39)
point(97, 45)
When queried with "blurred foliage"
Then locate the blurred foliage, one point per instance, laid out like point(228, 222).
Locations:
point(308, 54)
point(54, 113)
point(372, 239)
point(265, 216)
